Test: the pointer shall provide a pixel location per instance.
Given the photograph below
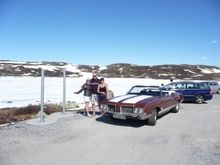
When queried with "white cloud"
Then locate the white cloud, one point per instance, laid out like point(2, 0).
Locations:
point(214, 41)
point(204, 58)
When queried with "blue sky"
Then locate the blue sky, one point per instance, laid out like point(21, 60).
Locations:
point(145, 32)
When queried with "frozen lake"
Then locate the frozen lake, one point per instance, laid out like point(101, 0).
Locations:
point(22, 91)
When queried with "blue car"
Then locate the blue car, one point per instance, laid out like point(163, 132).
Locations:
point(191, 91)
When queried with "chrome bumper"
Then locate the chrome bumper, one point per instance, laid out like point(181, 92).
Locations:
point(124, 116)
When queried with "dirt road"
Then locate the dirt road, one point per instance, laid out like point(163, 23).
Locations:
point(190, 137)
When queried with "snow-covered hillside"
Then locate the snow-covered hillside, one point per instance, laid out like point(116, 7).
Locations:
point(119, 70)
point(52, 69)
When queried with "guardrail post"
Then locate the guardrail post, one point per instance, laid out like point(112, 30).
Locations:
point(64, 90)
point(42, 116)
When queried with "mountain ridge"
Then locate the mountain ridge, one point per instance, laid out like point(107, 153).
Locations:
point(116, 70)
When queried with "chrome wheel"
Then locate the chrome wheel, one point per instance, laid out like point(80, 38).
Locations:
point(199, 99)
point(153, 118)
point(176, 108)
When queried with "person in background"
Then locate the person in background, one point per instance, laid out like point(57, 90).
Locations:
point(94, 82)
point(87, 95)
point(102, 92)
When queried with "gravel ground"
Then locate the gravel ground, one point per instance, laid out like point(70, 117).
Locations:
point(190, 137)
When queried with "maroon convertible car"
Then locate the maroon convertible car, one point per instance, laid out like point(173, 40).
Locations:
point(143, 103)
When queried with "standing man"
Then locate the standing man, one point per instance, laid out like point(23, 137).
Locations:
point(94, 82)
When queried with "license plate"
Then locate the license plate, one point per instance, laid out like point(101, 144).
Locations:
point(119, 116)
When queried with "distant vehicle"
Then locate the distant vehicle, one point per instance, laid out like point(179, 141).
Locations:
point(214, 86)
point(192, 91)
point(142, 103)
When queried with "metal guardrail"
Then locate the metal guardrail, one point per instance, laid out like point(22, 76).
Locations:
point(42, 114)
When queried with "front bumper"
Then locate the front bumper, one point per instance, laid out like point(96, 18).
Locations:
point(124, 116)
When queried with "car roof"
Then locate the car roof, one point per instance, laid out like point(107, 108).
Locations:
point(149, 86)
point(186, 82)
point(208, 81)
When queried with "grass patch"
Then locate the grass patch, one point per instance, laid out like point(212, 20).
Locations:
point(8, 115)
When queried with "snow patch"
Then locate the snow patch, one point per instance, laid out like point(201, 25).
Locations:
point(187, 70)
point(71, 68)
point(45, 67)
point(26, 74)
point(198, 75)
point(207, 70)
point(102, 67)
point(216, 70)
point(164, 67)
point(164, 74)
point(121, 70)
point(34, 63)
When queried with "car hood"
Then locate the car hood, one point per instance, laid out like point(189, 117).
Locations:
point(130, 99)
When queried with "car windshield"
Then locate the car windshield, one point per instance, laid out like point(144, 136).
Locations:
point(145, 90)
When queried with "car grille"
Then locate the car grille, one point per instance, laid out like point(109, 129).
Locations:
point(111, 108)
point(126, 109)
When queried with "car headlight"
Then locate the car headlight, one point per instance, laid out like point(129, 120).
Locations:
point(139, 110)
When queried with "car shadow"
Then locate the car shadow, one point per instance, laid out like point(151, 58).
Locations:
point(161, 116)
point(107, 119)
point(191, 102)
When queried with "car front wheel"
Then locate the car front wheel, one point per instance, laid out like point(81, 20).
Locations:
point(153, 118)
point(176, 108)
point(199, 99)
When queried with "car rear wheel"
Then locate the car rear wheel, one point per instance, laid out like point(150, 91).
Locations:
point(199, 99)
point(218, 91)
point(153, 118)
point(176, 108)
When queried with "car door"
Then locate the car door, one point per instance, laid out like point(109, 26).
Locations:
point(188, 91)
point(167, 100)
point(179, 88)
point(164, 101)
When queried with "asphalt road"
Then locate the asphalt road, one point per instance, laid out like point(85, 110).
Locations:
point(190, 137)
